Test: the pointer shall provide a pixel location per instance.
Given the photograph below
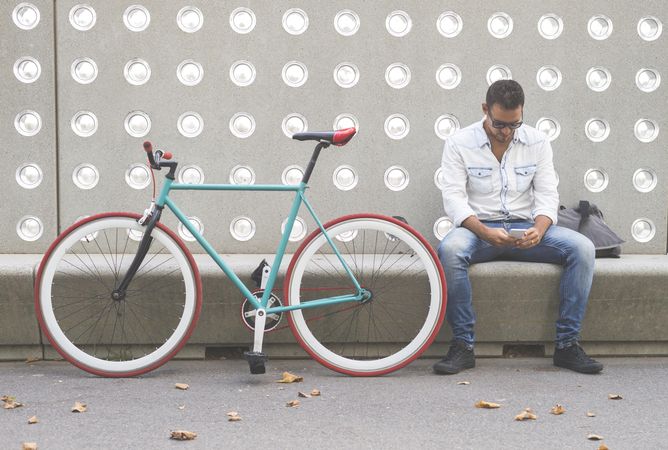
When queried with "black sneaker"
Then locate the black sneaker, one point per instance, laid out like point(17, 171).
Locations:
point(575, 358)
point(459, 357)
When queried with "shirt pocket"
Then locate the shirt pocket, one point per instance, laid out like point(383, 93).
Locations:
point(524, 177)
point(480, 179)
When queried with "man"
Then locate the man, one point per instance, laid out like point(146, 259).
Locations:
point(498, 176)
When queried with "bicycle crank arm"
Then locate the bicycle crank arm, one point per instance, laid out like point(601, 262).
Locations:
point(256, 358)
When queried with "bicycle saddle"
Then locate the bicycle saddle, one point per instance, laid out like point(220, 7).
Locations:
point(338, 138)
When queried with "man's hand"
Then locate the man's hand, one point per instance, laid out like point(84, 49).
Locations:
point(498, 237)
point(534, 234)
point(532, 237)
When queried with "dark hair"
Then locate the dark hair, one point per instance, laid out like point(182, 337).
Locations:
point(507, 93)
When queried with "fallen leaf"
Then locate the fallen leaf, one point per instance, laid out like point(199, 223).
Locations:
point(595, 437)
point(557, 410)
point(79, 407)
point(464, 383)
point(32, 359)
point(527, 414)
point(29, 446)
point(12, 405)
point(33, 420)
point(181, 435)
point(233, 416)
point(603, 447)
point(10, 402)
point(293, 403)
point(181, 386)
point(315, 393)
point(487, 405)
point(290, 378)
point(590, 414)
point(614, 396)
point(304, 395)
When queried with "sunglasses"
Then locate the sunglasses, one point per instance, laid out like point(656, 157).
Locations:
point(500, 125)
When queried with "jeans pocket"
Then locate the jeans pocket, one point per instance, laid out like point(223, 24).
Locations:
point(524, 177)
point(480, 179)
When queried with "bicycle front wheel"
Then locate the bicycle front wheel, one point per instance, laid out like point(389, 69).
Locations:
point(406, 281)
point(111, 337)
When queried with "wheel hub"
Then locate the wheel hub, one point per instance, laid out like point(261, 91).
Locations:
point(367, 295)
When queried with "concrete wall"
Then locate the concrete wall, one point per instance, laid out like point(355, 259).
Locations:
point(58, 151)
point(39, 150)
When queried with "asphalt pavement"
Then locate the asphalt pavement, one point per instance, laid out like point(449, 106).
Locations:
point(411, 408)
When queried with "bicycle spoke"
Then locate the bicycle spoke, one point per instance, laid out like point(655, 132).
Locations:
point(89, 273)
point(153, 285)
point(67, 305)
point(149, 339)
point(125, 247)
point(145, 263)
point(93, 263)
point(105, 259)
point(326, 258)
point(99, 316)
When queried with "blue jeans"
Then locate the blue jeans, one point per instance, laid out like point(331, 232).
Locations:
point(460, 248)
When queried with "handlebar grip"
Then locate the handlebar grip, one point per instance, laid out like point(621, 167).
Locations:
point(148, 148)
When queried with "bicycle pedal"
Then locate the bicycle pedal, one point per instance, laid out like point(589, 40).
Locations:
point(256, 362)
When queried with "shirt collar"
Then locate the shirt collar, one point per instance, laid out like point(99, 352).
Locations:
point(482, 139)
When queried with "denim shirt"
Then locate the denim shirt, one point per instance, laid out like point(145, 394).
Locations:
point(522, 186)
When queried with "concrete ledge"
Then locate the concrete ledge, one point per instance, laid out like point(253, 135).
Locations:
point(517, 302)
point(18, 322)
point(516, 305)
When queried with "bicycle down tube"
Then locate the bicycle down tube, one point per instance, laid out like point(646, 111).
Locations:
point(164, 199)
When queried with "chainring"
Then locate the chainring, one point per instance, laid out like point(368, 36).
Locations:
point(248, 312)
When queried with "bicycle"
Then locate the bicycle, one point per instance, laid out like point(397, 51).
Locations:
point(119, 294)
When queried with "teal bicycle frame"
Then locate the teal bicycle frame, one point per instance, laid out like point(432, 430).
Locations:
point(164, 200)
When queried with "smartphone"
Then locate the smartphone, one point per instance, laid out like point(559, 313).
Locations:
point(517, 233)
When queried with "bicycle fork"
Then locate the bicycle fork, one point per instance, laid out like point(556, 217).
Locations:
point(118, 294)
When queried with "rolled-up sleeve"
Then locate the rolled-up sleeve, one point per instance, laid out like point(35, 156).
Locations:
point(454, 176)
point(546, 196)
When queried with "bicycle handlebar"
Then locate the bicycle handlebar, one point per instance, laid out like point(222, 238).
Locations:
point(155, 157)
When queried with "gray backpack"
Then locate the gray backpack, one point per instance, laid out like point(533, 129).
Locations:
point(588, 220)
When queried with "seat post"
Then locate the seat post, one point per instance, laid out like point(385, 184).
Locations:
point(314, 159)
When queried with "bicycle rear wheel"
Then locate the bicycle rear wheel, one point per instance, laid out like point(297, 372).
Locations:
point(117, 338)
point(406, 281)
